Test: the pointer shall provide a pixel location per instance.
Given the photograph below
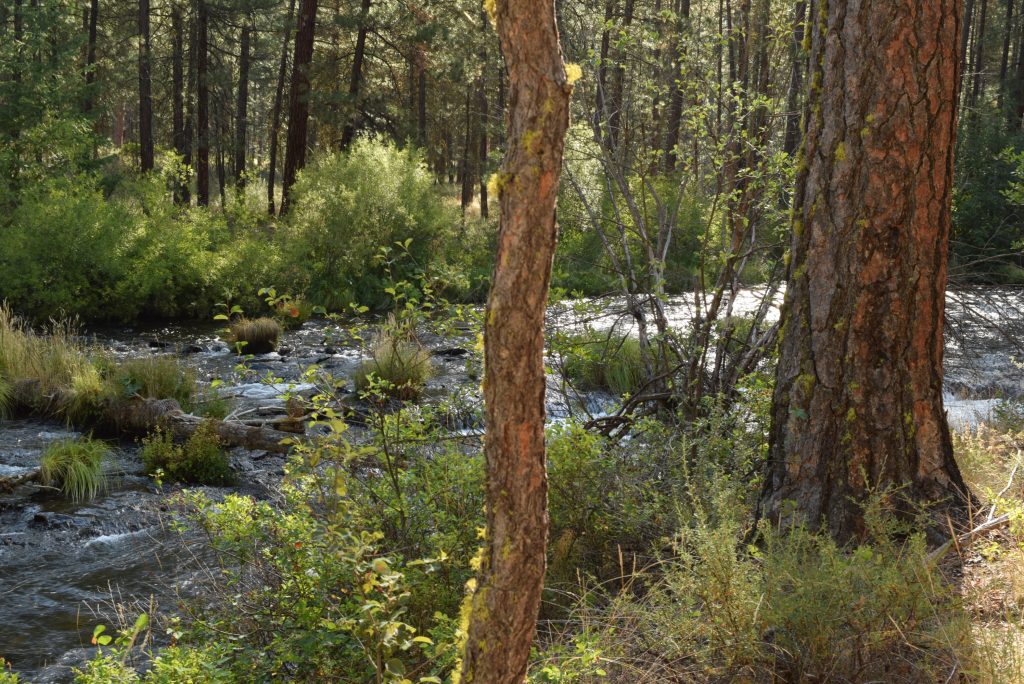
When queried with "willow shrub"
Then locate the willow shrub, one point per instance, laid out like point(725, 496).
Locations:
point(348, 205)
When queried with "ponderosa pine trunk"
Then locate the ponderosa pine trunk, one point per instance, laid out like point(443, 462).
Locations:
point(298, 99)
point(505, 604)
point(145, 91)
point(178, 130)
point(202, 105)
point(242, 107)
point(858, 398)
point(348, 134)
point(275, 117)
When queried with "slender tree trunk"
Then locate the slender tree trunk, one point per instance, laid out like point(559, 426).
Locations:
point(356, 79)
point(177, 95)
point(242, 107)
point(503, 613)
point(798, 59)
point(202, 106)
point(858, 398)
point(675, 91)
point(222, 142)
point(465, 168)
point(298, 99)
point(1004, 60)
point(90, 56)
point(421, 95)
point(145, 91)
point(275, 117)
point(979, 54)
point(616, 94)
point(965, 36)
point(190, 98)
point(600, 110)
point(482, 116)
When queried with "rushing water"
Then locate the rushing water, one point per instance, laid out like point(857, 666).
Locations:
point(62, 564)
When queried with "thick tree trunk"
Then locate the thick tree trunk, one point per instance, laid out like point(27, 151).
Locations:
point(275, 117)
point(858, 398)
point(145, 91)
point(202, 106)
point(298, 99)
point(507, 598)
point(242, 108)
point(356, 78)
point(178, 95)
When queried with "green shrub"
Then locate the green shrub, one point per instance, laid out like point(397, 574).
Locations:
point(257, 336)
point(398, 365)
point(6, 676)
point(348, 205)
point(76, 466)
point(200, 460)
point(62, 251)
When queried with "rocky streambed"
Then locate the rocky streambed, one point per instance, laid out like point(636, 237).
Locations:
point(64, 565)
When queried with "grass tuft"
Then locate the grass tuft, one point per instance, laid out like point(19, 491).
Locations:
point(255, 336)
point(606, 362)
point(76, 466)
point(398, 365)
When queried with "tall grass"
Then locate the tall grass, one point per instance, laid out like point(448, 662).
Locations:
point(52, 360)
point(5, 397)
point(76, 466)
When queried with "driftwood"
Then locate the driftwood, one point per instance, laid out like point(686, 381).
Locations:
point(8, 484)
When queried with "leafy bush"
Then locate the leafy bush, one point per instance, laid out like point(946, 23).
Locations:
point(398, 365)
point(199, 460)
point(76, 466)
point(257, 336)
point(348, 205)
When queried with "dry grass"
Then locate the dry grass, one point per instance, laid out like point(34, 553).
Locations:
point(398, 365)
point(52, 360)
point(255, 336)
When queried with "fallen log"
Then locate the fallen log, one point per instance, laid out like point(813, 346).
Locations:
point(140, 417)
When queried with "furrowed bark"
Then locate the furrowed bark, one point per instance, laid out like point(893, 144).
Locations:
point(504, 607)
point(858, 401)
